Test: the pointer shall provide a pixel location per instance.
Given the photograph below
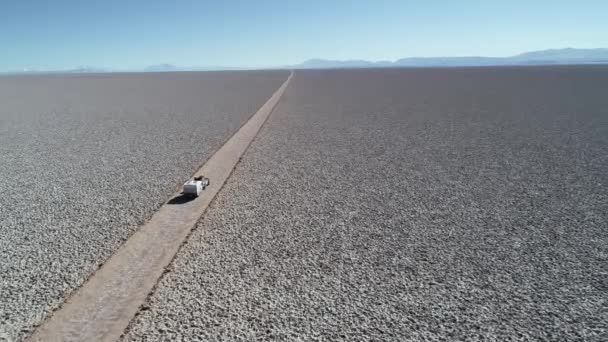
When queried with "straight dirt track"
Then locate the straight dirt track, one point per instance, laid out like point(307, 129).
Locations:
point(104, 306)
point(86, 159)
point(406, 205)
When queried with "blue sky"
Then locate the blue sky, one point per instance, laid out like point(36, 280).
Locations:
point(63, 34)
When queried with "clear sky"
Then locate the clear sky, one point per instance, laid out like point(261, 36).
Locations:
point(126, 34)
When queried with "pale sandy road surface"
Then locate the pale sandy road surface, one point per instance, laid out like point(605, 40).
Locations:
point(86, 159)
point(394, 205)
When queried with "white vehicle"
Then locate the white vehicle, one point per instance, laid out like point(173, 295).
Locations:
point(195, 186)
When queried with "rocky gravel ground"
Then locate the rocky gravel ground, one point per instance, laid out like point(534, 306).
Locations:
point(86, 159)
point(406, 205)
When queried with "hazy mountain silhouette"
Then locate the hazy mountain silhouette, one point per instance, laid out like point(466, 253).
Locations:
point(544, 57)
point(162, 67)
point(553, 56)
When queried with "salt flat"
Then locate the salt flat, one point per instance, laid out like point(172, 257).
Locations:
point(86, 159)
point(420, 204)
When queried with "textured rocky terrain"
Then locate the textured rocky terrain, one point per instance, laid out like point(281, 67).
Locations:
point(393, 205)
point(86, 159)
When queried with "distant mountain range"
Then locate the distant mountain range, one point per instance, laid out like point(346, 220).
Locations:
point(544, 57)
point(79, 70)
point(161, 67)
point(171, 67)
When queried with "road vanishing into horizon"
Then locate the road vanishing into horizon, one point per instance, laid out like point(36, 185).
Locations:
point(406, 205)
point(374, 204)
point(85, 160)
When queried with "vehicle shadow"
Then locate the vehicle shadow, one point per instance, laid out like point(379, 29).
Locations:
point(181, 199)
